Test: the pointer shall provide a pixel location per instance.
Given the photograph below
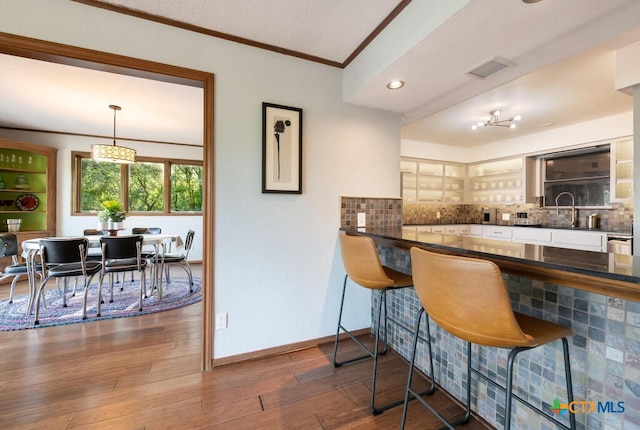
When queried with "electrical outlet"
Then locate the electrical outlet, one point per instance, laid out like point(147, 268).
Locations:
point(506, 217)
point(221, 321)
point(438, 214)
point(362, 219)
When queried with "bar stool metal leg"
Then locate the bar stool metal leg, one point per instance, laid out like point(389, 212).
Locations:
point(509, 388)
point(410, 393)
point(369, 353)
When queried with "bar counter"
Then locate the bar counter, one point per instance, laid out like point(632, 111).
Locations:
point(596, 294)
point(614, 275)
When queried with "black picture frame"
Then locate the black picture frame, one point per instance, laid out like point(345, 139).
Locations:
point(281, 149)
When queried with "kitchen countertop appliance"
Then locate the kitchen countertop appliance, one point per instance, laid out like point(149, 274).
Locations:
point(489, 215)
point(523, 219)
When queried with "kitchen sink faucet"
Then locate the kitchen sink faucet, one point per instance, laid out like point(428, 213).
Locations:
point(573, 207)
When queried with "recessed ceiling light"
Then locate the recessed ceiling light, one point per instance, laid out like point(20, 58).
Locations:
point(530, 1)
point(394, 85)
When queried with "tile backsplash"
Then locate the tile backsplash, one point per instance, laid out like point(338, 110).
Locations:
point(380, 212)
point(618, 218)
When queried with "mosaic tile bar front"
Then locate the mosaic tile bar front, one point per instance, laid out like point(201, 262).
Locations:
point(605, 354)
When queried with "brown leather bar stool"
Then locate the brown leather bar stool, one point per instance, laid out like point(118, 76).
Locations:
point(467, 297)
point(362, 264)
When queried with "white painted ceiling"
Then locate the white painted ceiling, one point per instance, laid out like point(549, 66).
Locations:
point(563, 74)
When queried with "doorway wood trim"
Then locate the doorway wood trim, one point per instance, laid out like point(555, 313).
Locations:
point(80, 57)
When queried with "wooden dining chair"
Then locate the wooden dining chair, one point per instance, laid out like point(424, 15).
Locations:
point(64, 258)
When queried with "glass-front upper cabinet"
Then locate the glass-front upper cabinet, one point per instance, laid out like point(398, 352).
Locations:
point(429, 181)
point(499, 181)
point(623, 170)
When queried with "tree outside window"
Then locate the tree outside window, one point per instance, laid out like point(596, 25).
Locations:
point(150, 186)
point(186, 188)
point(100, 182)
point(146, 192)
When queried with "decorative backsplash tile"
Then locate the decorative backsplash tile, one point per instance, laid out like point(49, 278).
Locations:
point(380, 212)
point(617, 219)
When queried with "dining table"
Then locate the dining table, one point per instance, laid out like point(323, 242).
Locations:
point(31, 250)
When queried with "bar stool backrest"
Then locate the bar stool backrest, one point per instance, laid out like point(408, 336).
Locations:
point(361, 262)
point(467, 297)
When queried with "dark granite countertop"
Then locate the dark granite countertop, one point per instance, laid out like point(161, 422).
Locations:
point(552, 227)
point(612, 274)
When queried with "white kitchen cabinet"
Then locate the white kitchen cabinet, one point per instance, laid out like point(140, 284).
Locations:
point(475, 230)
point(497, 232)
point(533, 235)
point(451, 229)
point(437, 229)
point(577, 239)
point(463, 229)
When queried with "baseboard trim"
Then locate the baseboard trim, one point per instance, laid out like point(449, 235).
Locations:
point(284, 349)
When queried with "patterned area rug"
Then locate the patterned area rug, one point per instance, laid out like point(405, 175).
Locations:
point(13, 316)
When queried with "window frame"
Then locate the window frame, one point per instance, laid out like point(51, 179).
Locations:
point(76, 163)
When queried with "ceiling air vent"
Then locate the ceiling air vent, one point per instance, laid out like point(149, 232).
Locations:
point(488, 68)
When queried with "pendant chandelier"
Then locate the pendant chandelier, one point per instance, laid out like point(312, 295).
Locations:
point(113, 153)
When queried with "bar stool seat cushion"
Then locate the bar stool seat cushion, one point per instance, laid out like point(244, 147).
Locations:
point(541, 331)
point(399, 279)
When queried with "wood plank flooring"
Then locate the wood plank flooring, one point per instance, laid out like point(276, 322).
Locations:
point(143, 373)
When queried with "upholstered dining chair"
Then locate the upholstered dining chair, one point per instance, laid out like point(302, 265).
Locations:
point(122, 254)
point(64, 258)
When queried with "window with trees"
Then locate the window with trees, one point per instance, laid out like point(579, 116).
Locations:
point(150, 186)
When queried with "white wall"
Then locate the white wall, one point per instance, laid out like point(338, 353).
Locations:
point(592, 131)
point(278, 272)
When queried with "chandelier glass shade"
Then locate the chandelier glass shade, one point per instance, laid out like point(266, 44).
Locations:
point(495, 121)
point(113, 153)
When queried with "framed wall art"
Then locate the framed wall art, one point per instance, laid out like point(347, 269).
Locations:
point(281, 149)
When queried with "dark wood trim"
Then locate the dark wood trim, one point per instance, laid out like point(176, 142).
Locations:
point(81, 57)
point(286, 349)
point(207, 32)
point(385, 22)
point(220, 35)
point(98, 136)
point(208, 208)
point(35, 49)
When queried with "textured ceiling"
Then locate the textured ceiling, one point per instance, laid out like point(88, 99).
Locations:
point(328, 29)
point(563, 69)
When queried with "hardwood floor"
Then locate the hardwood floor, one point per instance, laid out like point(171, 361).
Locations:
point(143, 373)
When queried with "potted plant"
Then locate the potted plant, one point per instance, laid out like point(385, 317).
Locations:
point(112, 214)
